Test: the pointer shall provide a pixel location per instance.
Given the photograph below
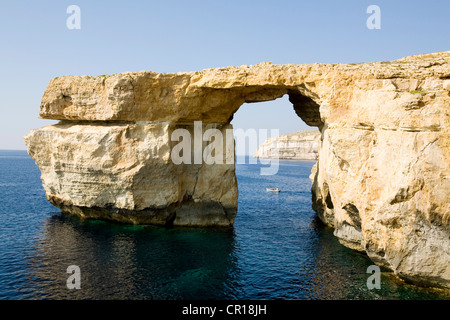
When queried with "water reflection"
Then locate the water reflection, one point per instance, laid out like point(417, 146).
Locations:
point(277, 250)
point(130, 262)
point(137, 262)
point(337, 272)
point(333, 269)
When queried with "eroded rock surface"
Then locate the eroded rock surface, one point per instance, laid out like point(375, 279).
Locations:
point(382, 178)
point(124, 172)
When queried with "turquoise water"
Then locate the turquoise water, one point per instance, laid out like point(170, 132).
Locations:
point(276, 250)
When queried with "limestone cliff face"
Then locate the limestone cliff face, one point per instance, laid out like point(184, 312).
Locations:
point(382, 178)
point(124, 172)
point(300, 145)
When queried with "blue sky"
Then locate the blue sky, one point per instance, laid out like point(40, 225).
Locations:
point(172, 36)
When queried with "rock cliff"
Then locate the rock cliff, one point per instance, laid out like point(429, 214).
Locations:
point(300, 145)
point(382, 180)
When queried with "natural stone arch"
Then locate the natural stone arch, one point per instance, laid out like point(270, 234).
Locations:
point(381, 180)
point(304, 106)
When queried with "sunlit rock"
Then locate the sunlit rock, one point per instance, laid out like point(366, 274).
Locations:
point(300, 145)
point(382, 178)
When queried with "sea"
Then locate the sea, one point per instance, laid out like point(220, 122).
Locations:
point(277, 250)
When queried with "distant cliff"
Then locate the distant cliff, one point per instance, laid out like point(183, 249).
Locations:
point(300, 145)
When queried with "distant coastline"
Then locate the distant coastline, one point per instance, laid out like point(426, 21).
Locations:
point(300, 145)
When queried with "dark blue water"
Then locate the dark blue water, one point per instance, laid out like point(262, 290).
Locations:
point(276, 250)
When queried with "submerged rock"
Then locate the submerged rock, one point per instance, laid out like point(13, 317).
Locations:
point(382, 178)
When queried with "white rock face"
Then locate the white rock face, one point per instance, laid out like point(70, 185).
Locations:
point(382, 178)
point(124, 172)
point(300, 145)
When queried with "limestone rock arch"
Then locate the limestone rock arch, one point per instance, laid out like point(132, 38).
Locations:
point(382, 178)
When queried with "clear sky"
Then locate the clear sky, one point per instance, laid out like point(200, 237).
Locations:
point(172, 36)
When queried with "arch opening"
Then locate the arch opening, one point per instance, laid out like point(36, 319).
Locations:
point(271, 109)
point(305, 103)
point(287, 113)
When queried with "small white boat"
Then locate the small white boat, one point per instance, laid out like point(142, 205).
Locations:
point(273, 190)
